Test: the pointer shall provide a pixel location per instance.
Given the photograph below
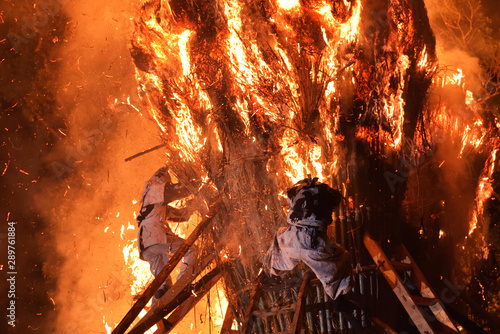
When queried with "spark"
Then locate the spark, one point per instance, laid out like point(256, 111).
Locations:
point(7, 164)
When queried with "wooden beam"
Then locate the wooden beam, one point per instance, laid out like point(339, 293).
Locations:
point(396, 284)
point(425, 289)
point(162, 276)
point(228, 321)
point(144, 152)
point(254, 296)
point(183, 309)
point(175, 296)
point(298, 317)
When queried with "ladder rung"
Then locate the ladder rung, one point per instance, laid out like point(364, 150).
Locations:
point(424, 301)
point(401, 265)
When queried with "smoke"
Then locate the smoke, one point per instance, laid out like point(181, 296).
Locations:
point(442, 190)
point(89, 192)
point(91, 195)
point(452, 52)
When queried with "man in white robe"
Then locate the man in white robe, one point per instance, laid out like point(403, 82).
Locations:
point(305, 238)
point(156, 240)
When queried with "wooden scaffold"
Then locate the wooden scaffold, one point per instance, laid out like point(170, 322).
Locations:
point(296, 303)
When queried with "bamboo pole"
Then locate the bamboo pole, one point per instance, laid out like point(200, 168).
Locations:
point(254, 296)
point(321, 312)
point(298, 317)
point(162, 276)
point(279, 316)
point(329, 319)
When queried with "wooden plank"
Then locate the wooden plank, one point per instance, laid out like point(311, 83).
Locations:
point(424, 301)
point(161, 327)
point(254, 296)
point(396, 284)
point(183, 309)
point(162, 276)
point(298, 317)
point(228, 321)
point(425, 289)
point(401, 266)
point(383, 325)
point(175, 296)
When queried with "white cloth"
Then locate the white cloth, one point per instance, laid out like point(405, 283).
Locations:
point(153, 229)
point(154, 189)
point(329, 261)
point(156, 239)
point(158, 255)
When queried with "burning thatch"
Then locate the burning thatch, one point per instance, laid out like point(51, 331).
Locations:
point(260, 94)
point(253, 96)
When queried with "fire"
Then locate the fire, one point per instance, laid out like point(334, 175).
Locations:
point(183, 52)
point(288, 5)
point(484, 191)
point(349, 31)
point(453, 77)
point(422, 63)
point(249, 94)
point(140, 269)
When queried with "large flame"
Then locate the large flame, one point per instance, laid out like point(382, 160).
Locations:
point(251, 98)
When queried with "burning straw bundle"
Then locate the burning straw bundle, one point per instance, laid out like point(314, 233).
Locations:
point(252, 96)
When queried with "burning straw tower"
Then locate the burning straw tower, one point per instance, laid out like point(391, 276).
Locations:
point(251, 96)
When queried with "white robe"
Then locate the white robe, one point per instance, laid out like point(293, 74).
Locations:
point(329, 261)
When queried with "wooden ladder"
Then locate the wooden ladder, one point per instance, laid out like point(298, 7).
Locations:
point(415, 305)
